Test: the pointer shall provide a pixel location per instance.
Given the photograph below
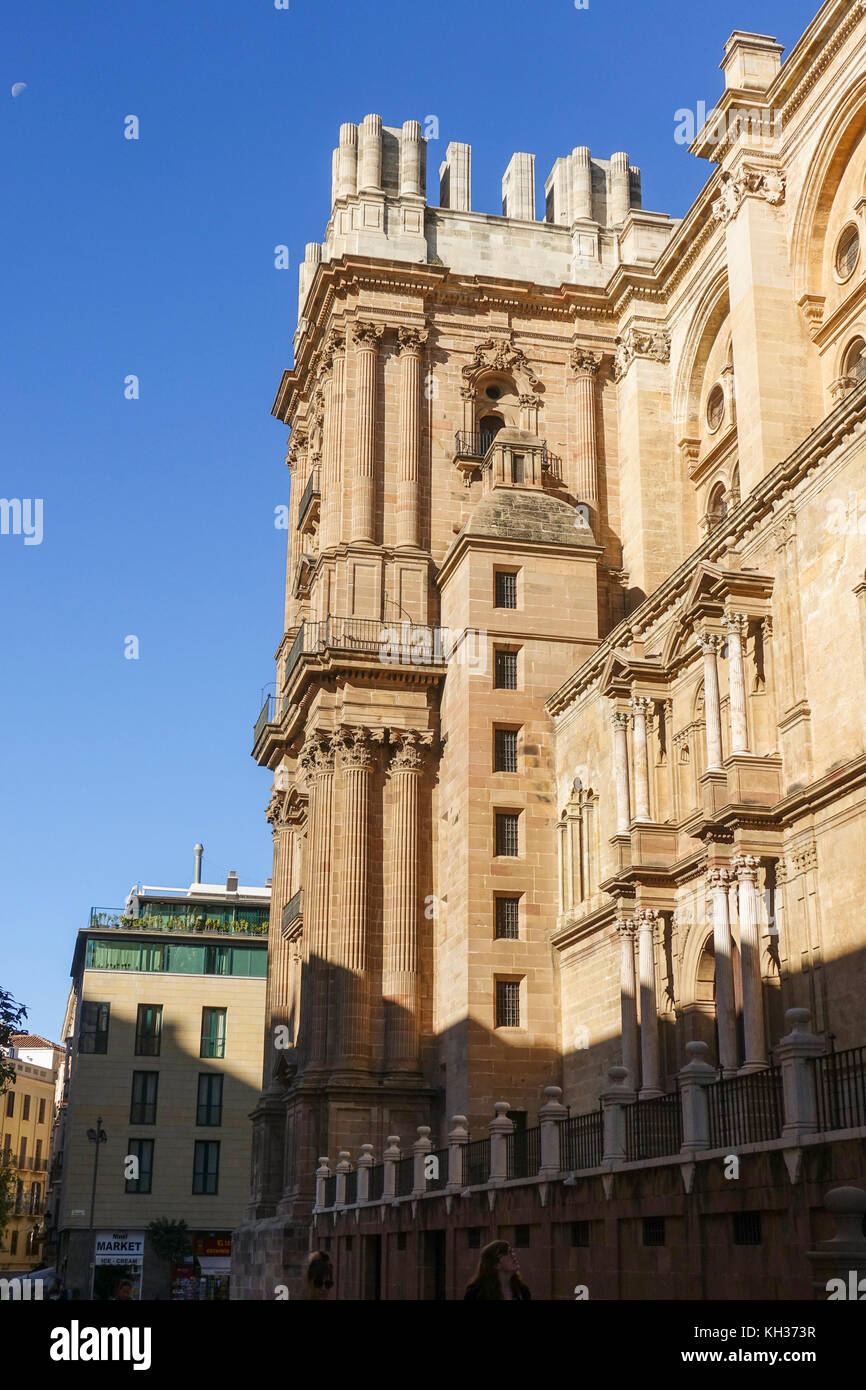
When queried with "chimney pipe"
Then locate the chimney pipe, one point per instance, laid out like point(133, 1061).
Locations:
point(198, 852)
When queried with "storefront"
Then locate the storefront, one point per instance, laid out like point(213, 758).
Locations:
point(204, 1275)
point(119, 1262)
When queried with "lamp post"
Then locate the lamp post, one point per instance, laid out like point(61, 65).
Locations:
point(96, 1136)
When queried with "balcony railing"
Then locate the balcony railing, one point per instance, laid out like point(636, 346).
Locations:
point(582, 1141)
point(351, 1188)
point(376, 1182)
point(745, 1109)
point(523, 1153)
point(473, 444)
point(439, 1174)
point(393, 644)
point(477, 1162)
point(185, 917)
point(405, 1176)
point(653, 1128)
point(309, 495)
point(331, 1190)
point(291, 911)
point(840, 1084)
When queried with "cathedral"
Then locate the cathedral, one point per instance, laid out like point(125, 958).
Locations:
point(568, 739)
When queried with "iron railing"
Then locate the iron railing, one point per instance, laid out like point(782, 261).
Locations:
point(376, 1183)
point(467, 444)
point(523, 1153)
point(351, 1188)
point(550, 463)
point(476, 1162)
point(292, 910)
point(331, 1190)
point(581, 1141)
point(654, 1127)
point(840, 1084)
point(308, 496)
point(404, 1176)
point(392, 643)
point(745, 1109)
point(439, 1176)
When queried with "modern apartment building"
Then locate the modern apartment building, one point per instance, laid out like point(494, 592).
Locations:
point(165, 1025)
point(27, 1113)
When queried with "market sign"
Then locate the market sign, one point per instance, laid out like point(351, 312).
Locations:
point(206, 1246)
point(119, 1247)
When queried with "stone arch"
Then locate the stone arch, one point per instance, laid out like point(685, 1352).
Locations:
point(707, 322)
point(842, 132)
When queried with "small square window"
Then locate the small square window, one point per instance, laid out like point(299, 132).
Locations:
point(402, 1240)
point(505, 670)
point(505, 750)
point(473, 1238)
point(508, 919)
point(580, 1234)
point(506, 589)
point(507, 1003)
point(507, 833)
point(521, 1237)
point(747, 1228)
point(654, 1230)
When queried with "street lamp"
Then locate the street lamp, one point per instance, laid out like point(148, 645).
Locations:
point(96, 1136)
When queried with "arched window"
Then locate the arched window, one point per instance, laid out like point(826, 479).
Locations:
point(854, 361)
point(717, 506)
point(847, 252)
point(488, 427)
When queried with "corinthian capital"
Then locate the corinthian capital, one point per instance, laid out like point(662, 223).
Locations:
point(410, 748)
point(585, 363)
point(356, 747)
point(710, 643)
point(745, 867)
point(411, 339)
point(317, 756)
point(620, 719)
point(367, 335)
point(736, 624)
point(624, 927)
point(718, 879)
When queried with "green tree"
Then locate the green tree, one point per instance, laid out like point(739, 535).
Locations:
point(8, 1187)
point(170, 1240)
point(12, 1015)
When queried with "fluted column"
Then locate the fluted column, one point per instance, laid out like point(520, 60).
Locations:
point(711, 644)
point(620, 721)
point(276, 992)
point(736, 626)
point(367, 337)
point(718, 880)
point(640, 707)
point(411, 342)
point(745, 866)
point(624, 930)
point(332, 450)
point(317, 763)
point(400, 985)
point(585, 365)
point(356, 753)
point(645, 920)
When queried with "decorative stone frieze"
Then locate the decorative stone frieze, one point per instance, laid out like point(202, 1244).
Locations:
point(750, 181)
point(652, 344)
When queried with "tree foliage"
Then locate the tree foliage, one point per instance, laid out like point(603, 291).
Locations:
point(12, 1015)
point(170, 1240)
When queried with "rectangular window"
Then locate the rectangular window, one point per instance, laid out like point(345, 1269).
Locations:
point(521, 1238)
point(41, 1119)
point(507, 1003)
point(209, 1110)
point(26, 1112)
point(213, 1033)
point(505, 750)
point(401, 1240)
point(473, 1237)
point(507, 833)
point(142, 1109)
point(747, 1228)
point(10, 1103)
point(148, 1030)
point(654, 1230)
point(580, 1234)
point(22, 1152)
point(93, 1036)
point(38, 1157)
point(505, 589)
point(505, 670)
point(13, 1243)
point(7, 1142)
point(206, 1167)
point(507, 919)
point(517, 469)
point(142, 1150)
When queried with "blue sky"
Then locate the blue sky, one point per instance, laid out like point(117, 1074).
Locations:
point(155, 258)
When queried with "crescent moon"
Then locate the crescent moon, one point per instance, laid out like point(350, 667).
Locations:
point(18, 88)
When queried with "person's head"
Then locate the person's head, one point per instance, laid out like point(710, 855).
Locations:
point(320, 1271)
point(124, 1290)
point(497, 1264)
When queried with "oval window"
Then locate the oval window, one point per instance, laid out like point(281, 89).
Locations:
point(715, 408)
point(847, 252)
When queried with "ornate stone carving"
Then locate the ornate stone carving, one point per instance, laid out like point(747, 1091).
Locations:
point(502, 356)
point(750, 181)
point(585, 363)
point(624, 927)
point(736, 623)
point(411, 339)
point(620, 719)
point(653, 344)
point(718, 879)
point(745, 867)
point(317, 756)
point(709, 642)
point(410, 748)
point(356, 746)
point(367, 335)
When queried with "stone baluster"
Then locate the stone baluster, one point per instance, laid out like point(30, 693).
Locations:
point(420, 1149)
point(343, 1167)
point(624, 933)
point(839, 1264)
point(457, 1141)
point(411, 342)
point(711, 644)
point(550, 1119)
point(695, 1076)
point(500, 1127)
point(367, 337)
point(390, 1158)
point(640, 707)
point(736, 626)
point(745, 868)
point(585, 366)
point(364, 1164)
point(795, 1053)
point(323, 1172)
point(614, 1100)
point(718, 880)
point(645, 921)
point(620, 721)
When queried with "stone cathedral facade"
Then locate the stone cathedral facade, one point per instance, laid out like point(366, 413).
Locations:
point(568, 741)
